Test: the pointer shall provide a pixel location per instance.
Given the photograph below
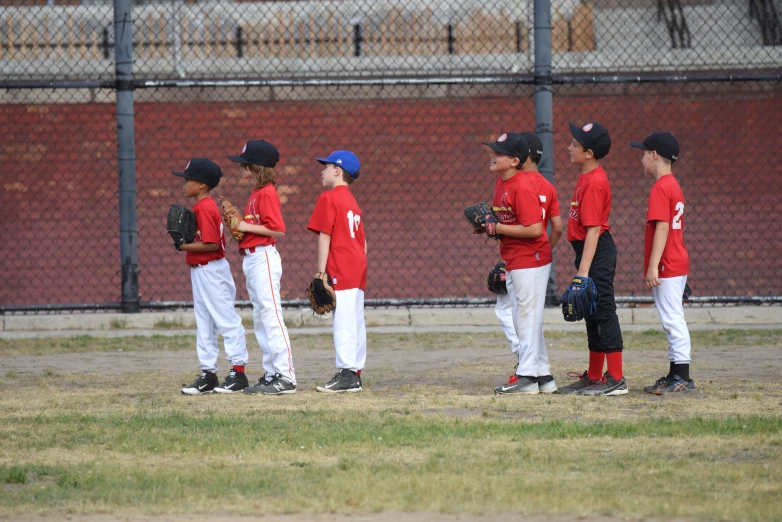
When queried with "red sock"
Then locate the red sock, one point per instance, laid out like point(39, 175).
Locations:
point(358, 372)
point(239, 369)
point(614, 364)
point(596, 361)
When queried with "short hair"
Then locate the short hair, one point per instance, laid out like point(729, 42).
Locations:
point(534, 158)
point(263, 175)
point(347, 178)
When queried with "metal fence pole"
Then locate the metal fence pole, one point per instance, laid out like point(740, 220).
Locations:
point(128, 232)
point(544, 114)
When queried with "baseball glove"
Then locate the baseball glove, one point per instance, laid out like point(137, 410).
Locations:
point(495, 281)
point(482, 219)
point(231, 217)
point(181, 225)
point(687, 293)
point(580, 300)
point(321, 294)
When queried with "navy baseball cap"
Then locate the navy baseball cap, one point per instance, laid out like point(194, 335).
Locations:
point(203, 170)
point(511, 144)
point(258, 152)
point(535, 145)
point(593, 136)
point(345, 159)
point(663, 143)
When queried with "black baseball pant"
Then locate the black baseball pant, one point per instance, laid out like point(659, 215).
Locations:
point(603, 331)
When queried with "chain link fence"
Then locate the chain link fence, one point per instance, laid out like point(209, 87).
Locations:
point(413, 88)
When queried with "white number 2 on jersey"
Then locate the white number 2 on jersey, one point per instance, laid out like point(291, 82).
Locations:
point(353, 222)
point(677, 219)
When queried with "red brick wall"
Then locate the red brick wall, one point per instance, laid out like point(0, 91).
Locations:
point(422, 162)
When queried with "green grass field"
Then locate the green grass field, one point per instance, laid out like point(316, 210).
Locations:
point(421, 438)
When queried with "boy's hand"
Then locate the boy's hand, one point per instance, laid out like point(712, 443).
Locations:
point(652, 278)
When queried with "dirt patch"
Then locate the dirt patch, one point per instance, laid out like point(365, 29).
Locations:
point(388, 369)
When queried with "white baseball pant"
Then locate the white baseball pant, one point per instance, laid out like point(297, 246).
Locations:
point(529, 293)
point(668, 299)
point(503, 309)
point(214, 295)
point(350, 333)
point(263, 271)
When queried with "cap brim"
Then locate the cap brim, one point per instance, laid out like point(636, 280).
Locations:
point(323, 161)
point(637, 145)
point(180, 174)
point(238, 159)
point(577, 133)
point(496, 148)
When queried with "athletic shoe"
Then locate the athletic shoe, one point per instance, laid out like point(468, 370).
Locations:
point(345, 381)
point(520, 385)
point(546, 384)
point(606, 386)
point(659, 383)
point(204, 383)
point(258, 386)
point(581, 383)
point(677, 385)
point(235, 382)
point(278, 386)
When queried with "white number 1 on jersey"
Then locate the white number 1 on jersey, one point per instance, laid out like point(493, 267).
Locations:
point(353, 222)
point(543, 200)
point(677, 223)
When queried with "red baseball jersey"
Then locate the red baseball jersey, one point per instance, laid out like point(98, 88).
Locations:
point(337, 213)
point(263, 208)
point(591, 204)
point(548, 197)
point(517, 202)
point(666, 203)
point(209, 229)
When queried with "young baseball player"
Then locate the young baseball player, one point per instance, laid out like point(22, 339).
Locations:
point(526, 250)
point(214, 291)
point(262, 267)
point(342, 253)
point(666, 262)
point(588, 233)
point(550, 203)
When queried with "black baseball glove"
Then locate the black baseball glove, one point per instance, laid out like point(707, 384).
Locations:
point(482, 219)
point(321, 294)
point(181, 225)
point(495, 281)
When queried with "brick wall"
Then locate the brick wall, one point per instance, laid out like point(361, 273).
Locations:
point(422, 162)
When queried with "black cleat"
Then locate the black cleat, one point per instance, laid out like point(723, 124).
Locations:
point(235, 382)
point(345, 381)
point(204, 383)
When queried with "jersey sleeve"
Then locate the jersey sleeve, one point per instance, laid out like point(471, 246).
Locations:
point(659, 206)
point(553, 209)
point(323, 217)
point(528, 207)
point(272, 210)
point(209, 221)
point(591, 206)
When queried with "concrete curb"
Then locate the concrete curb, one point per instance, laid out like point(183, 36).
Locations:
point(401, 317)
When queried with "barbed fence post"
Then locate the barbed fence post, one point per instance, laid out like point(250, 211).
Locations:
point(128, 229)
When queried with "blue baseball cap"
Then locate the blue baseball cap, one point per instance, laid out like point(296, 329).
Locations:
point(345, 159)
